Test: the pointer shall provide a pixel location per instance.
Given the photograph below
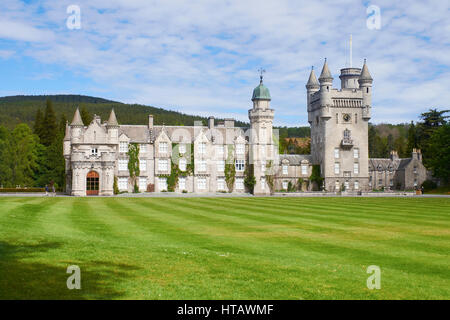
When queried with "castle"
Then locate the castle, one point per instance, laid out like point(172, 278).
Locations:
point(217, 157)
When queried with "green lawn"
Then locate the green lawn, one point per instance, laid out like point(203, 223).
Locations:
point(224, 248)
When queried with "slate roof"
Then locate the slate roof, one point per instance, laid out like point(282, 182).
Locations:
point(295, 159)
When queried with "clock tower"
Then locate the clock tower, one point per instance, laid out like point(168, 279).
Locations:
point(339, 127)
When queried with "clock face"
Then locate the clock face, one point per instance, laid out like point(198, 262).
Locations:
point(346, 117)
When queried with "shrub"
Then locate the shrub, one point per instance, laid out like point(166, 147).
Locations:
point(429, 185)
point(115, 186)
point(22, 190)
point(184, 191)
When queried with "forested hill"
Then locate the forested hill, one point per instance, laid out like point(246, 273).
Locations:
point(23, 109)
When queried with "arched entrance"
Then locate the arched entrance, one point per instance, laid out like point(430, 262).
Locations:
point(92, 183)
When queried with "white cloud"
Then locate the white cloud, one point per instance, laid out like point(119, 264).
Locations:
point(201, 56)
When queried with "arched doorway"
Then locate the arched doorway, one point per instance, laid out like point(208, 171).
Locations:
point(92, 183)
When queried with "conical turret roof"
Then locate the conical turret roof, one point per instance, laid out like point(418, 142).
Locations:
point(112, 121)
point(312, 81)
point(365, 74)
point(325, 74)
point(77, 119)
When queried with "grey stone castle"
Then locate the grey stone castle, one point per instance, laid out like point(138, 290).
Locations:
point(96, 154)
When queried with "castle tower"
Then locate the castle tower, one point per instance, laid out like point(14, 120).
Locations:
point(113, 128)
point(339, 128)
point(261, 143)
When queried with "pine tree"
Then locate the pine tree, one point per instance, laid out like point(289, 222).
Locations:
point(38, 123)
point(49, 126)
point(86, 116)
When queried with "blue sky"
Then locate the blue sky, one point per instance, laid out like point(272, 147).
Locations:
point(202, 57)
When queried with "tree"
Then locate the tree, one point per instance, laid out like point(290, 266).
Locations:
point(24, 152)
point(49, 126)
point(412, 138)
point(86, 116)
point(250, 180)
point(390, 143)
point(38, 123)
point(439, 147)
point(133, 163)
point(6, 159)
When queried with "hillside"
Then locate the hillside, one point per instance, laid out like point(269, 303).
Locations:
point(18, 109)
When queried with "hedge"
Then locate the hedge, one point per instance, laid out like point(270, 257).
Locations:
point(22, 190)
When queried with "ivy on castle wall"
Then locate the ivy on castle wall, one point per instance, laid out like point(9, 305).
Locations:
point(133, 164)
point(250, 180)
point(230, 169)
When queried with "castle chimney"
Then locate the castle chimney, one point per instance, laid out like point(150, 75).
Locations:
point(211, 122)
point(394, 155)
point(150, 121)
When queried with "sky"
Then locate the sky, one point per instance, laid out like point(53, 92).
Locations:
point(202, 57)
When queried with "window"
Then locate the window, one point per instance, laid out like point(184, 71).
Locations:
point(162, 184)
point(356, 168)
point(356, 153)
point(347, 185)
point(240, 164)
point(220, 165)
point(336, 168)
point(263, 183)
point(182, 148)
point(240, 148)
point(201, 183)
point(263, 166)
point(356, 185)
point(239, 184)
point(337, 186)
point(337, 118)
point(123, 147)
point(143, 148)
point(220, 184)
point(202, 165)
point(304, 169)
point(336, 153)
point(163, 147)
point(415, 182)
point(220, 150)
point(182, 183)
point(143, 184)
point(391, 182)
point(285, 185)
point(356, 118)
point(202, 148)
point(380, 182)
point(163, 164)
point(94, 151)
point(285, 169)
point(142, 165)
point(123, 164)
point(182, 164)
point(123, 183)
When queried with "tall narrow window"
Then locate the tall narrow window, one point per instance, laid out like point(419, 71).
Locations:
point(336, 168)
point(285, 169)
point(356, 153)
point(356, 168)
point(202, 147)
point(240, 148)
point(142, 165)
point(182, 183)
point(182, 164)
point(202, 165)
point(220, 165)
point(182, 148)
point(304, 169)
point(123, 147)
point(336, 153)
